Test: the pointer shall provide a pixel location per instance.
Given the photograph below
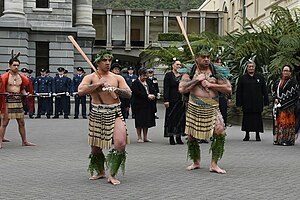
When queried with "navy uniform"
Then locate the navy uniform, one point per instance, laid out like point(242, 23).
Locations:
point(61, 89)
point(154, 82)
point(130, 78)
point(125, 102)
point(69, 91)
point(51, 83)
point(78, 99)
point(42, 84)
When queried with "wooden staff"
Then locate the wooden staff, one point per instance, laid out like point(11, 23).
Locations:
point(88, 61)
point(184, 34)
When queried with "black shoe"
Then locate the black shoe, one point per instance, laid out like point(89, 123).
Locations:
point(76, 117)
point(31, 116)
point(55, 117)
point(38, 117)
point(48, 116)
point(171, 140)
point(66, 117)
point(178, 140)
point(257, 138)
point(84, 117)
point(247, 137)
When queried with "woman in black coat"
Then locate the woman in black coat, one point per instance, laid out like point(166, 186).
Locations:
point(175, 107)
point(144, 95)
point(252, 96)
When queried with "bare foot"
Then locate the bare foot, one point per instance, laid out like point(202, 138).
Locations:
point(28, 144)
point(217, 169)
point(193, 166)
point(5, 140)
point(98, 176)
point(113, 180)
point(140, 141)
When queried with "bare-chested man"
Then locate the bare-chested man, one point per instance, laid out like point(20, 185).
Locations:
point(203, 118)
point(105, 119)
point(13, 84)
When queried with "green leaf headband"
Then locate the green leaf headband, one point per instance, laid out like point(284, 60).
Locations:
point(103, 54)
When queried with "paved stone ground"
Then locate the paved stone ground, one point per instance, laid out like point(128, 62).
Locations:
point(57, 167)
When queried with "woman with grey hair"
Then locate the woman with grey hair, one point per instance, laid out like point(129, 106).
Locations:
point(144, 95)
point(252, 96)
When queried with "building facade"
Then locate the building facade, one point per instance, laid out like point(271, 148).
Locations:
point(126, 32)
point(240, 10)
point(38, 29)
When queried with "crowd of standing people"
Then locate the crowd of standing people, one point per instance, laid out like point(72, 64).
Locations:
point(195, 100)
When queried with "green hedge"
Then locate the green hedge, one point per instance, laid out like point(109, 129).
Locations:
point(170, 37)
point(177, 37)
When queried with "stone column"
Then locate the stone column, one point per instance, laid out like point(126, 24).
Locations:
point(127, 29)
point(202, 21)
point(221, 24)
point(84, 14)
point(85, 31)
point(166, 22)
point(184, 20)
point(108, 29)
point(14, 9)
point(147, 26)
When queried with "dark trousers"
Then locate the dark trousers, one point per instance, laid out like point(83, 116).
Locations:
point(80, 100)
point(61, 103)
point(44, 106)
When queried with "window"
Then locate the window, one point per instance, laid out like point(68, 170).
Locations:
point(99, 22)
point(173, 25)
point(193, 25)
point(137, 31)
point(1, 7)
point(212, 25)
point(42, 55)
point(118, 30)
point(155, 28)
point(42, 4)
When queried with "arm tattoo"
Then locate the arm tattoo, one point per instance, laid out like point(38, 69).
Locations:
point(188, 83)
point(124, 93)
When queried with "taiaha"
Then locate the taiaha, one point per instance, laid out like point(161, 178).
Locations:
point(20, 95)
point(113, 94)
point(185, 34)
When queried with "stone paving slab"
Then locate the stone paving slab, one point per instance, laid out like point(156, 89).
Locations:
point(57, 167)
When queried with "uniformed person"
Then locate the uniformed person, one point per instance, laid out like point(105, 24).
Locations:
point(130, 78)
point(28, 101)
point(69, 92)
point(78, 99)
point(51, 83)
point(155, 85)
point(60, 89)
point(42, 87)
point(125, 102)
